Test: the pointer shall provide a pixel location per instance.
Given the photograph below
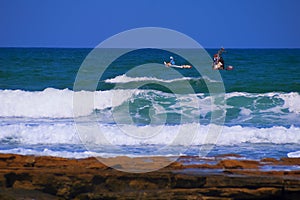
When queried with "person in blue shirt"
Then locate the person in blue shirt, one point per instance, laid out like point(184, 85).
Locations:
point(172, 61)
point(172, 64)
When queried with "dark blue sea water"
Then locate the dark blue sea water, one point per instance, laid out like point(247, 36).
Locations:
point(256, 70)
point(148, 110)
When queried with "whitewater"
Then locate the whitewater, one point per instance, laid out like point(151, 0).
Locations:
point(31, 119)
point(136, 114)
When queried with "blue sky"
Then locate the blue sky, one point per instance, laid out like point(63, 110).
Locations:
point(212, 23)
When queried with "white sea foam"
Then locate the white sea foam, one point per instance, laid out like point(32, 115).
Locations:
point(295, 154)
point(35, 133)
point(185, 134)
point(291, 101)
point(77, 154)
point(47, 103)
point(245, 112)
point(54, 103)
point(63, 154)
point(126, 79)
point(274, 135)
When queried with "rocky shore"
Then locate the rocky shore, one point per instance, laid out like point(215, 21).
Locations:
point(225, 177)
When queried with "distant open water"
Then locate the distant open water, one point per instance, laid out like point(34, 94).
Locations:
point(262, 103)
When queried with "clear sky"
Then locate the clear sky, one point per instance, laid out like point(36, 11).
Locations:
point(212, 23)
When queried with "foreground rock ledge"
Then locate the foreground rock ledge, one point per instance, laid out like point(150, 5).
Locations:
point(43, 178)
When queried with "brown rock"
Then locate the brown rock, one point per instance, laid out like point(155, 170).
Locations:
point(60, 178)
point(269, 160)
point(246, 193)
point(20, 161)
point(23, 194)
point(24, 185)
point(91, 163)
point(201, 166)
point(7, 157)
point(49, 161)
point(176, 165)
point(3, 164)
point(290, 161)
point(187, 181)
point(142, 185)
point(239, 164)
point(242, 181)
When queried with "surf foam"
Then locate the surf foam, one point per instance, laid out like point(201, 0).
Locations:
point(67, 133)
point(126, 79)
point(54, 103)
point(295, 154)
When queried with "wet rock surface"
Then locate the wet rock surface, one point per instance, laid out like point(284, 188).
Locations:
point(31, 177)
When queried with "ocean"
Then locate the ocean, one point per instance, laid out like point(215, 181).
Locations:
point(152, 111)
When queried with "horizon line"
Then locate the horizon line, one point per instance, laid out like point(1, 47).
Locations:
point(70, 47)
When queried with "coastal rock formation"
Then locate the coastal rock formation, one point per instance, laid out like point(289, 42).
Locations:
point(31, 177)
